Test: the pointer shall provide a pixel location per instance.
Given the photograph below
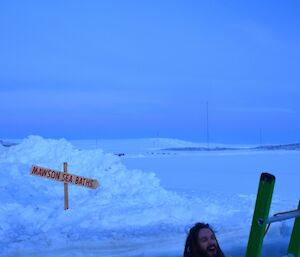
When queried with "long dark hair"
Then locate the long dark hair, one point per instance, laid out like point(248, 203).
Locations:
point(191, 248)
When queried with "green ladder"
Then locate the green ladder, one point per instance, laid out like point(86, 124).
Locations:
point(261, 219)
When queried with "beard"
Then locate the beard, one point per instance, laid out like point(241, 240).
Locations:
point(206, 253)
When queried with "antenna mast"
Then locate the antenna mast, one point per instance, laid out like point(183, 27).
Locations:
point(207, 126)
point(260, 136)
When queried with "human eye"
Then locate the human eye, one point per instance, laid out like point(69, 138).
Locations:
point(203, 239)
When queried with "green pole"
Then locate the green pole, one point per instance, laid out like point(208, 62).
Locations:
point(261, 214)
point(294, 246)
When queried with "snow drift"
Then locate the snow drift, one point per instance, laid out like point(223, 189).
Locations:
point(127, 200)
point(128, 203)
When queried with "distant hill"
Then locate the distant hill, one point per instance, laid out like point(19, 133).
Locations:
point(263, 147)
point(202, 148)
point(7, 144)
point(159, 144)
point(279, 147)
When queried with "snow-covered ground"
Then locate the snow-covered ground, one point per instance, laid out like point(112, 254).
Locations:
point(147, 198)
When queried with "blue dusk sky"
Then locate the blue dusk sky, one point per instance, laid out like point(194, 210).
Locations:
point(130, 69)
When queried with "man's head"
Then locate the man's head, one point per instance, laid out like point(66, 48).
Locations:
point(202, 242)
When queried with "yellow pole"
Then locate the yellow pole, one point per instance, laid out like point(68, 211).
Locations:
point(260, 216)
point(294, 246)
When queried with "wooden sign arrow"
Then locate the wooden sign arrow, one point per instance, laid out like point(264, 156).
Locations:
point(64, 177)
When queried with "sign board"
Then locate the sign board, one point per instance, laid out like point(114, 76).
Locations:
point(64, 177)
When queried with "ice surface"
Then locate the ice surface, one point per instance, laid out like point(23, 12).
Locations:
point(131, 214)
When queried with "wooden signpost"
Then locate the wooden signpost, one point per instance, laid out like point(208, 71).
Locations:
point(64, 177)
point(66, 189)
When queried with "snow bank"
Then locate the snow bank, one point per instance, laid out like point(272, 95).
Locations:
point(128, 201)
point(128, 204)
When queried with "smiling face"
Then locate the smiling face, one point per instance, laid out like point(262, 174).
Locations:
point(207, 242)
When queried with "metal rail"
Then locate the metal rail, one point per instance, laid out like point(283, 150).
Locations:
point(282, 217)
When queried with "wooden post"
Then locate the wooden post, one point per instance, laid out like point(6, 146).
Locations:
point(261, 213)
point(66, 196)
point(294, 246)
